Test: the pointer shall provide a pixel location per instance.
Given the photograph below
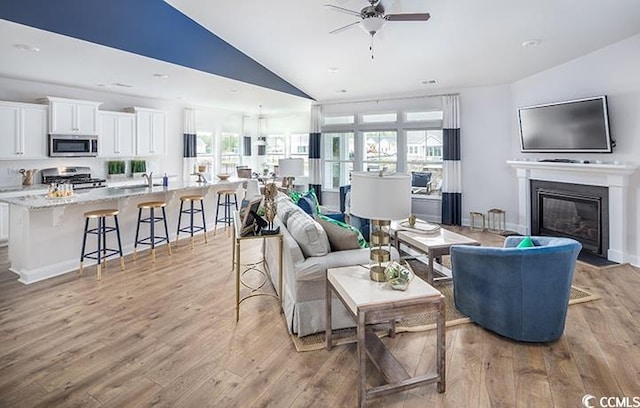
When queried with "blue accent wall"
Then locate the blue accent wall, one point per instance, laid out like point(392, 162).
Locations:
point(151, 28)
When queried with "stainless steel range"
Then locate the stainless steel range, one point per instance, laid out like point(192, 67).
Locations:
point(79, 176)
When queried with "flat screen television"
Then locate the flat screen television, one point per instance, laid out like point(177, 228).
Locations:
point(578, 126)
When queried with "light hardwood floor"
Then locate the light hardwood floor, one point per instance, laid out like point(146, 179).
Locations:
point(165, 335)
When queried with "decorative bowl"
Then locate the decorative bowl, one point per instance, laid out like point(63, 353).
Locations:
point(223, 177)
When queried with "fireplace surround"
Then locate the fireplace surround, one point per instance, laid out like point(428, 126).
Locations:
point(613, 176)
point(575, 211)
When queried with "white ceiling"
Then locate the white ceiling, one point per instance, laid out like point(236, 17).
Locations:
point(466, 43)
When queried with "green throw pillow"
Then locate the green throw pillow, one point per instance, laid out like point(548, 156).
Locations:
point(526, 243)
point(341, 236)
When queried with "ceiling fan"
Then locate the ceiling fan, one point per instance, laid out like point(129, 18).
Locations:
point(373, 17)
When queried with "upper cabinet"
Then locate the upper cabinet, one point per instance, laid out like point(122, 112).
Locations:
point(117, 134)
point(23, 130)
point(150, 131)
point(72, 116)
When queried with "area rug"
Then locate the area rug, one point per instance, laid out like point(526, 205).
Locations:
point(415, 323)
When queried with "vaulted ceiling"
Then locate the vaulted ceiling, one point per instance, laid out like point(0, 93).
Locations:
point(465, 43)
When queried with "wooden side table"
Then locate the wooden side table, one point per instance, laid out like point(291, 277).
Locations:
point(237, 266)
point(373, 302)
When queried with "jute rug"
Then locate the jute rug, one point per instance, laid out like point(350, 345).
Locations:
point(415, 323)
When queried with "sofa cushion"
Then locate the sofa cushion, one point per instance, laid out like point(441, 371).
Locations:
point(341, 236)
point(309, 235)
point(285, 208)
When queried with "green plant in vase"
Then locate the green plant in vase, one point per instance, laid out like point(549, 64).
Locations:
point(116, 168)
point(138, 167)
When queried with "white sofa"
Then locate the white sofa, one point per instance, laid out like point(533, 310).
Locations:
point(305, 277)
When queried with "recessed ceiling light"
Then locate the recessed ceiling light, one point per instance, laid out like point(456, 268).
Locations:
point(233, 91)
point(428, 82)
point(531, 43)
point(27, 47)
point(161, 76)
point(121, 85)
point(341, 91)
point(103, 85)
point(333, 70)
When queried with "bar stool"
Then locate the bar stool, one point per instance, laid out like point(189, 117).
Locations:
point(192, 211)
point(102, 253)
point(152, 239)
point(227, 219)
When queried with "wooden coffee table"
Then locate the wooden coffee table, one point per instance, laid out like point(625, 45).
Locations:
point(434, 245)
point(376, 302)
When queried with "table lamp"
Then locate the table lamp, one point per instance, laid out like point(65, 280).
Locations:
point(289, 169)
point(380, 198)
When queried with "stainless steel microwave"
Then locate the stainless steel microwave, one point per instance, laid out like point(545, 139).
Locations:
point(73, 146)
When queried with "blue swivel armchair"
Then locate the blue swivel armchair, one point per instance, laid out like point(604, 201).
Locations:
point(519, 293)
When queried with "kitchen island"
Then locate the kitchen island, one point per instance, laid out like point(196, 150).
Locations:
point(46, 233)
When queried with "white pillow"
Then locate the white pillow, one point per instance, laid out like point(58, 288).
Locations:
point(310, 236)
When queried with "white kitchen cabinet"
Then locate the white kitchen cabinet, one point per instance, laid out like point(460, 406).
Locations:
point(150, 131)
point(117, 134)
point(72, 116)
point(4, 223)
point(23, 130)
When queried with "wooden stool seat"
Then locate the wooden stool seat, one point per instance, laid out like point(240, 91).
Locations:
point(102, 253)
point(225, 200)
point(152, 239)
point(191, 210)
point(101, 213)
point(192, 198)
point(152, 204)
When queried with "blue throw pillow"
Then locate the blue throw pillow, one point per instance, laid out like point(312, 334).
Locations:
point(307, 201)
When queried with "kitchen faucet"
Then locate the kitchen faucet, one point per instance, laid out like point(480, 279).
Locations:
point(149, 178)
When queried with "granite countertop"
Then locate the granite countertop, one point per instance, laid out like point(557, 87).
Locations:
point(17, 188)
point(40, 201)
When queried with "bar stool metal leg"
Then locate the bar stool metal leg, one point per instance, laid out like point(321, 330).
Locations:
point(115, 219)
point(204, 222)
point(135, 243)
point(179, 220)
point(166, 231)
point(84, 243)
point(100, 234)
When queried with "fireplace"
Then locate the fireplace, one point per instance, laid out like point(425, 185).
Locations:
point(574, 211)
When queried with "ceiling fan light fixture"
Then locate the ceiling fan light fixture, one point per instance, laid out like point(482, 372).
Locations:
point(372, 24)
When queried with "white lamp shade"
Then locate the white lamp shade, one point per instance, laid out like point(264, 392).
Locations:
point(291, 167)
point(380, 198)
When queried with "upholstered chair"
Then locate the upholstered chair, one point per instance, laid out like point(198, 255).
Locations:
point(519, 293)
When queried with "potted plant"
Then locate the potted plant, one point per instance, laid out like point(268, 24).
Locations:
point(116, 169)
point(138, 167)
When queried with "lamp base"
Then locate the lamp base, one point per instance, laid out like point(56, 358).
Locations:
point(376, 273)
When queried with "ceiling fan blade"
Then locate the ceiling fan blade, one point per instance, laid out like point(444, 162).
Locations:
point(343, 10)
point(408, 17)
point(341, 29)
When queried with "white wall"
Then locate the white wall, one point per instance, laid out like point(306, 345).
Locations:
point(612, 71)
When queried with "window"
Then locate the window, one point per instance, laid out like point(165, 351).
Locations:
point(275, 151)
point(339, 120)
point(299, 148)
point(394, 135)
point(381, 150)
point(424, 155)
point(423, 116)
point(229, 152)
point(339, 153)
point(205, 151)
point(380, 117)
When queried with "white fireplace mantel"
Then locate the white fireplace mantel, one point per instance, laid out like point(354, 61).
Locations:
point(613, 176)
